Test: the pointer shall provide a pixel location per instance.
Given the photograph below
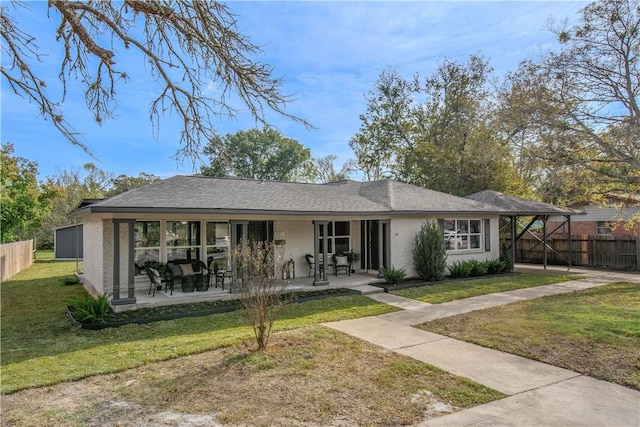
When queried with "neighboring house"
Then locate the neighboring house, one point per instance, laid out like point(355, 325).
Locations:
point(204, 217)
point(609, 219)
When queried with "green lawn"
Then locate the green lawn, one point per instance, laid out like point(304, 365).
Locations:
point(458, 289)
point(595, 332)
point(40, 347)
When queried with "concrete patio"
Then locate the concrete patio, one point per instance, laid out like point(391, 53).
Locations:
point(357, 281)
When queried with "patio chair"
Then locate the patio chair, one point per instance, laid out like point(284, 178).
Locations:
point(310, 262)
point(155, 281)
point(341, 262)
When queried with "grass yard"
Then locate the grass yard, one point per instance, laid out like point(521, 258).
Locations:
point(595, 332)
point(197, 369)
point(458, 289)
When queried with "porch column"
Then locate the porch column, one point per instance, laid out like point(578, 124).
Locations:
point(569, 238)
point(320, 230)
point(544, 243)
point(131, 299)
point(239, 231)
point(513, 239)
point(384, 245)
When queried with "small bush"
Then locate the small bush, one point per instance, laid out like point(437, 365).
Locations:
point(429, 252)
point(89, 309)
point(496, 266)
point(478, 268)
point(460, 269)
point(394, 276)
point(505, 256)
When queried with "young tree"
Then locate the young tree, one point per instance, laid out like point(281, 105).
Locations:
point(188, 46)
point(429, 253)
point(24, 201)
point(260, 287)
point(258, 154)
point(579, 107)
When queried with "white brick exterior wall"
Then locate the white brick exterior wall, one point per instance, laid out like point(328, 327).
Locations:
point(93, 255)
point(403, 231)
point(297, 234)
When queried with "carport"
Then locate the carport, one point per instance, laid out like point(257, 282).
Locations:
point(537, 211)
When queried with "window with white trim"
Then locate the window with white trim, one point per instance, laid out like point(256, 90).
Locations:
point(463, 234)
point(603, 227)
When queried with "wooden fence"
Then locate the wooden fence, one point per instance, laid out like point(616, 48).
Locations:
point(599, 251)
point(14, 257)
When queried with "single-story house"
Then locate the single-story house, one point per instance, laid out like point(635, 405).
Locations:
point(198, 217)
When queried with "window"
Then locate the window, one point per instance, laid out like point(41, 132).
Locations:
point(147, 242)
point(463, 234)
point(183, 240)
point(602, 227)
point(218, 241)
point(338, 237)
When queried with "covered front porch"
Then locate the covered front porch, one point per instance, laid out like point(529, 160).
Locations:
point(360, 282)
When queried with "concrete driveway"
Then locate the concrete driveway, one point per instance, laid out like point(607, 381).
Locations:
point(538, 394)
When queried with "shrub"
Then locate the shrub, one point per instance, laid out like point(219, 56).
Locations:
point(505, 256)
point(496, 266)
point(429, 253)
point(394, 276)
point(478, 268)
point(460, 269)
point(89, 309)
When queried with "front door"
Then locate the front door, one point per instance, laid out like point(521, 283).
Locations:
point(369, 245)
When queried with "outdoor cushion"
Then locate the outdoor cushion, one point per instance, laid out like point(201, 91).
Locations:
point(175, 270)
point(342, 260)
point(187, 269)
point(154, 272)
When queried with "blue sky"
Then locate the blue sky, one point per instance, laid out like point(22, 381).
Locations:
point(329, 53)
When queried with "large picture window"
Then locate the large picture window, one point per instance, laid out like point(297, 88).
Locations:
point(183, 240)
point(218, 241)
point(463, 234)
point(338, 237)
point(147, 242)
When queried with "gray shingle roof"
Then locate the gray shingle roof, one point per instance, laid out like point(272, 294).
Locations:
point(224, 195)
point(520, 206)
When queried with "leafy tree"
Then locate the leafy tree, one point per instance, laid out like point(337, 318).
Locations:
point(325, 170)
point(386, 126)
point(73, 186)
point(124, 183)
point(447, 141)
point(258, 154)
point(577, 109)
point(429, 253)
point(24, 201)
point(188, 46)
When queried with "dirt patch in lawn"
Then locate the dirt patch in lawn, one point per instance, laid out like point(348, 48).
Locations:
point(310, 376)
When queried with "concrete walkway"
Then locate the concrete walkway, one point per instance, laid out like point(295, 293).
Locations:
point(538, 394)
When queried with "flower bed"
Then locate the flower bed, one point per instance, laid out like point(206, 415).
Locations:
point(179, 311)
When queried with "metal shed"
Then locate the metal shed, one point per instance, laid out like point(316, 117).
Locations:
point(538, 211)
point(67, 243)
